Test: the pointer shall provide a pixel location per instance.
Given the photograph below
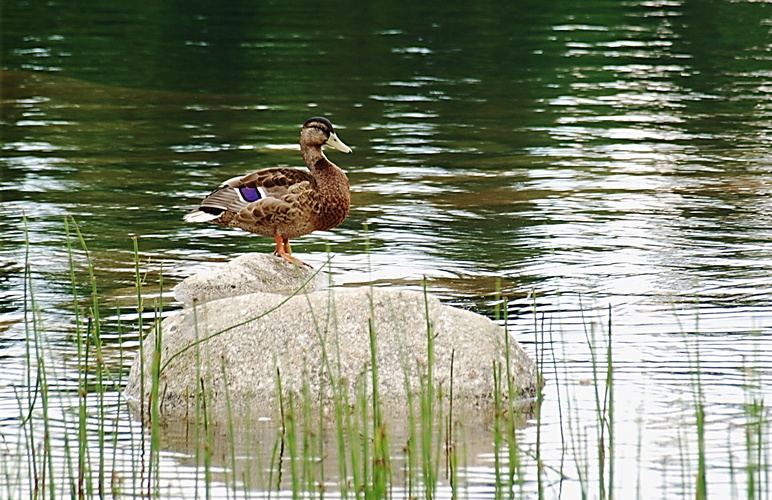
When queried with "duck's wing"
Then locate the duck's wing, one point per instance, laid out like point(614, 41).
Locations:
point(264, 191)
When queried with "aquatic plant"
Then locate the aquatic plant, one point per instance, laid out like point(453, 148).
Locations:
point(81, 442)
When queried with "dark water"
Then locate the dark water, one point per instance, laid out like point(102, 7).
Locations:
point(586, 155)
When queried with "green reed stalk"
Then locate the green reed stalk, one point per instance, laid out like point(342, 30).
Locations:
point(115, 479)
point(155, 409)
point(731, 465)
point(208, 440)
point(95, 336)
point(68, 470)
point(364, 426)
point(412, 441)
point(763, 447)
point(47, 429)
point(275, 463)
point(578, 447)
point(702, 484)
point(320, 450)
point(12, 472)
point(336, 388)
point(561, 419)
point(755, 413)
point(509, 422)
point(363, 414)
point(600, 412)
point(429, 465)
point(451, 451)
point(577, 436)
point(33, 338)
point(343, 426)
point(461, 457)
point(411, 447)
point(340, 400)
point(47, 464)
point(229, 420)
point(610, 415)
point(246, 477)
point(539, 361)
point(380, 441)
point(308, 474)
point(639, 453)
point(683, 443)
point(513, 447)
point(357, 444)
point(758, 415)
point(699, 409)
point(440, 420)
point(604, 413)
point(339, 393)
point(199, 401)
point(291, 437)
point(497, 439)
point(380, 458)
point(30, 333)
point(341, 413)
point(82, 357)
point(138, 475)
point(82, 381)
point(278, 449)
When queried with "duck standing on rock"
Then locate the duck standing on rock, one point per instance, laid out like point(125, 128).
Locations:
point(284, 202)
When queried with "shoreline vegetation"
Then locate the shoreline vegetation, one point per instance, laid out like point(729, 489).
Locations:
point(78, 438)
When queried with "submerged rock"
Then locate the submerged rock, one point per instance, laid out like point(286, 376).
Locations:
point(318, 346)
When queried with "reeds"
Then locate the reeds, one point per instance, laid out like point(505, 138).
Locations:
point(88, 450)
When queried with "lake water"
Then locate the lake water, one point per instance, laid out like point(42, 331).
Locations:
point(595, 159)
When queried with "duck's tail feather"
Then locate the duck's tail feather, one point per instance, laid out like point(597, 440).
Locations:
point(203, 214)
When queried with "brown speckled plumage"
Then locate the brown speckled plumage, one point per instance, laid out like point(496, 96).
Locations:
point(285, 202)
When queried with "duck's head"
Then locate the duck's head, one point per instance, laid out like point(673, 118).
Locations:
point(318, 131)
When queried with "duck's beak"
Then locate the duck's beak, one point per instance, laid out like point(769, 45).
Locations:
point(337, 143)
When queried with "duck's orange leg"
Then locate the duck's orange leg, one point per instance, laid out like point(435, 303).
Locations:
point(284, 251)
point(281, 250)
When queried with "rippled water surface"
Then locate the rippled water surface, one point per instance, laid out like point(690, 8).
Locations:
point(598, 161)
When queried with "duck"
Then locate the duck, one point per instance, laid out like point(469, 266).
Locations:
point(285, 202)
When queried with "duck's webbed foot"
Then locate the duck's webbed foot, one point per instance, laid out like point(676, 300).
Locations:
point(284, 251)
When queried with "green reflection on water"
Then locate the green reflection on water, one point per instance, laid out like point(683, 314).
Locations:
point(618, 149)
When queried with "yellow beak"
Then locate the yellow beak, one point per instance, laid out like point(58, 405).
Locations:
point(337, 143)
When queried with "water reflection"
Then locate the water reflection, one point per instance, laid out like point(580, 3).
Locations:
point(576, 156)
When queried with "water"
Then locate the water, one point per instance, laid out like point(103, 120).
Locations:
point(589, 155)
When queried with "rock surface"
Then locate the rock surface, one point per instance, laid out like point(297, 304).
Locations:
point(318, 344)
point(249, 273)
point(322, 339)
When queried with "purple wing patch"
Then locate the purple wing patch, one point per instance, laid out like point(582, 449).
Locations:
point(251, 194)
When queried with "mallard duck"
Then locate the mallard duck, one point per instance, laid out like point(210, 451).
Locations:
point(285, 203)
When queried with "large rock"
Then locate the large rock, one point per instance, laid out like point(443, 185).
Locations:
point(249, 273)
point(320, 343)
